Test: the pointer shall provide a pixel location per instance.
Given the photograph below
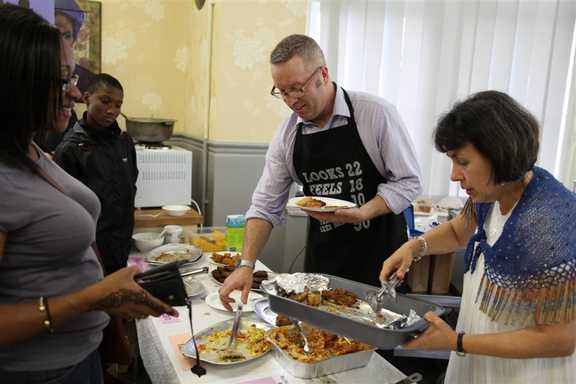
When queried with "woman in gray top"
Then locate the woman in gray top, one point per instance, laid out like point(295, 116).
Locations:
point(53, 298)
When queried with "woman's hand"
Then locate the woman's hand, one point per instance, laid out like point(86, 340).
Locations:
point(398, 262)
point(120, 295)
point(438, 336)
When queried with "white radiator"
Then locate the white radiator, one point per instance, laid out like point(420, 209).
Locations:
point(165, 176)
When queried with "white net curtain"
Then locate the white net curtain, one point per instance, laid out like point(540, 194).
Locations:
point(425, 55)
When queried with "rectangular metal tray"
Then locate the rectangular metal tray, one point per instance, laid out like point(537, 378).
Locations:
point(322, 368)
point(360, 331)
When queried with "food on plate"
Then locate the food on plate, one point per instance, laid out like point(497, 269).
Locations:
point(323, 345)
point(227, 258)
point(310, 202)
point(336, 296)
point(221, 273)
point(258, 277)
point(250, 342)
point(170, 256)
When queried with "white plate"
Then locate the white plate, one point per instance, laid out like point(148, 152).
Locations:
point(193, 287)
point(212, 357)
point(188, 252)
point(209, 257)
point(213, 300)
point(331, 204)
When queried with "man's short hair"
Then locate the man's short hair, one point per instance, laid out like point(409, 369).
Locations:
point(297, 45)
point(103, 79)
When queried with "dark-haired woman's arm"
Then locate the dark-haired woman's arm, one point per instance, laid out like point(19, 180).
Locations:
point(117, 294)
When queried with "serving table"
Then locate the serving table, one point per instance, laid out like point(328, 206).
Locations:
point(159, 340)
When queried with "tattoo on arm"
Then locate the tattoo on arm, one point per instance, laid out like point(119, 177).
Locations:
point(125, 296)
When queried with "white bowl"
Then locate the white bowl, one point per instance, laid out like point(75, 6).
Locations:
point(175, 210)
point(146, 241)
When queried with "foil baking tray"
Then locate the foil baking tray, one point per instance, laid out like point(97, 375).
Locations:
point(322, 368)
point(353, 328)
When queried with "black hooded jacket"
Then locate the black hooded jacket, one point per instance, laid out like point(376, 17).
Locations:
point(105, 161)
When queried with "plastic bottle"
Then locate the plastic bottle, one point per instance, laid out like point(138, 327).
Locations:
point(235, 232)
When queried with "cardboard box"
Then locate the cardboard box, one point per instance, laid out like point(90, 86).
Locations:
point(418, 276)
point(441, 273)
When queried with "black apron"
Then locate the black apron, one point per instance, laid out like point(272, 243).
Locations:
point(334, 163)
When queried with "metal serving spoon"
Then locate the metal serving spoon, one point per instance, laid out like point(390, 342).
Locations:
point(235, 327)
point(298, 325)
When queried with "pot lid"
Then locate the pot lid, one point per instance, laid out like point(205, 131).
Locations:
point(150, 120)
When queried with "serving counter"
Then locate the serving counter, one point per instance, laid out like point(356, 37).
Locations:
point(159, 340)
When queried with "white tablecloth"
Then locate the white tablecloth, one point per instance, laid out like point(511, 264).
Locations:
point(158, 339)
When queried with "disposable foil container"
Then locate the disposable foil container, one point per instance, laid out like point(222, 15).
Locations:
point(322, 368)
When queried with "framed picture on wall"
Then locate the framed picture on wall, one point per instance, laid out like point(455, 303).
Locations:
point(44, 8)
point(80, 22)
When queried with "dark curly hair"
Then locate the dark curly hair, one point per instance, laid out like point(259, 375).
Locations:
point(499, 127)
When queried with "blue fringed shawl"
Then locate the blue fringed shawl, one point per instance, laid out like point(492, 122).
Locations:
point(530, 271)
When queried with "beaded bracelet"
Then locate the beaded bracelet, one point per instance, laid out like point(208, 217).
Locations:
point(43, 307)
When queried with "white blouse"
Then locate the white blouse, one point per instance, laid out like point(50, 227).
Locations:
point(477, 369)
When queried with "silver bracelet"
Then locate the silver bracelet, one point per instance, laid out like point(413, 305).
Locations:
point(422, 251)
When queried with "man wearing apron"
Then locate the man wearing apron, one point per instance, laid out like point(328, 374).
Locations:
point(345, 145)
point(353, 251)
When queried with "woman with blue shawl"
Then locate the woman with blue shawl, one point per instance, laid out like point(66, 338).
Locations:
point(517, 321)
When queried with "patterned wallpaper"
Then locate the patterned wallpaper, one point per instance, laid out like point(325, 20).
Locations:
point(143, 43)
point(159, 50)
point(245, 33)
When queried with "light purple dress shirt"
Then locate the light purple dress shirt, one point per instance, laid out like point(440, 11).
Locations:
point(384, 136)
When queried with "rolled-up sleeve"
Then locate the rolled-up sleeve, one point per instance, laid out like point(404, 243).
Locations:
point(401, 166)
point(271, 193)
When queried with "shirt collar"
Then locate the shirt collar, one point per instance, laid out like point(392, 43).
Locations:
point(340, 107)
point(110, 132)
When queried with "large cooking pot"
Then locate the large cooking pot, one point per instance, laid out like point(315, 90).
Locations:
point(149, 130)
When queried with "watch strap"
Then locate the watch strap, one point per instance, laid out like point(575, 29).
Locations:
point(247, 263)
point(459, 344)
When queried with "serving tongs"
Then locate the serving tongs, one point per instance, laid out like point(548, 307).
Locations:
point(376, 299)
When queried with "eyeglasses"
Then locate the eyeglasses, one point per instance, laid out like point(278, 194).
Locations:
point(294, 91)
point(67, 84)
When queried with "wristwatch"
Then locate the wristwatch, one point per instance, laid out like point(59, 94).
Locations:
point(247, 263)
point(459, 346)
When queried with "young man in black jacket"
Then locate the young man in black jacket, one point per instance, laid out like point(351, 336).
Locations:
point(97, 152)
